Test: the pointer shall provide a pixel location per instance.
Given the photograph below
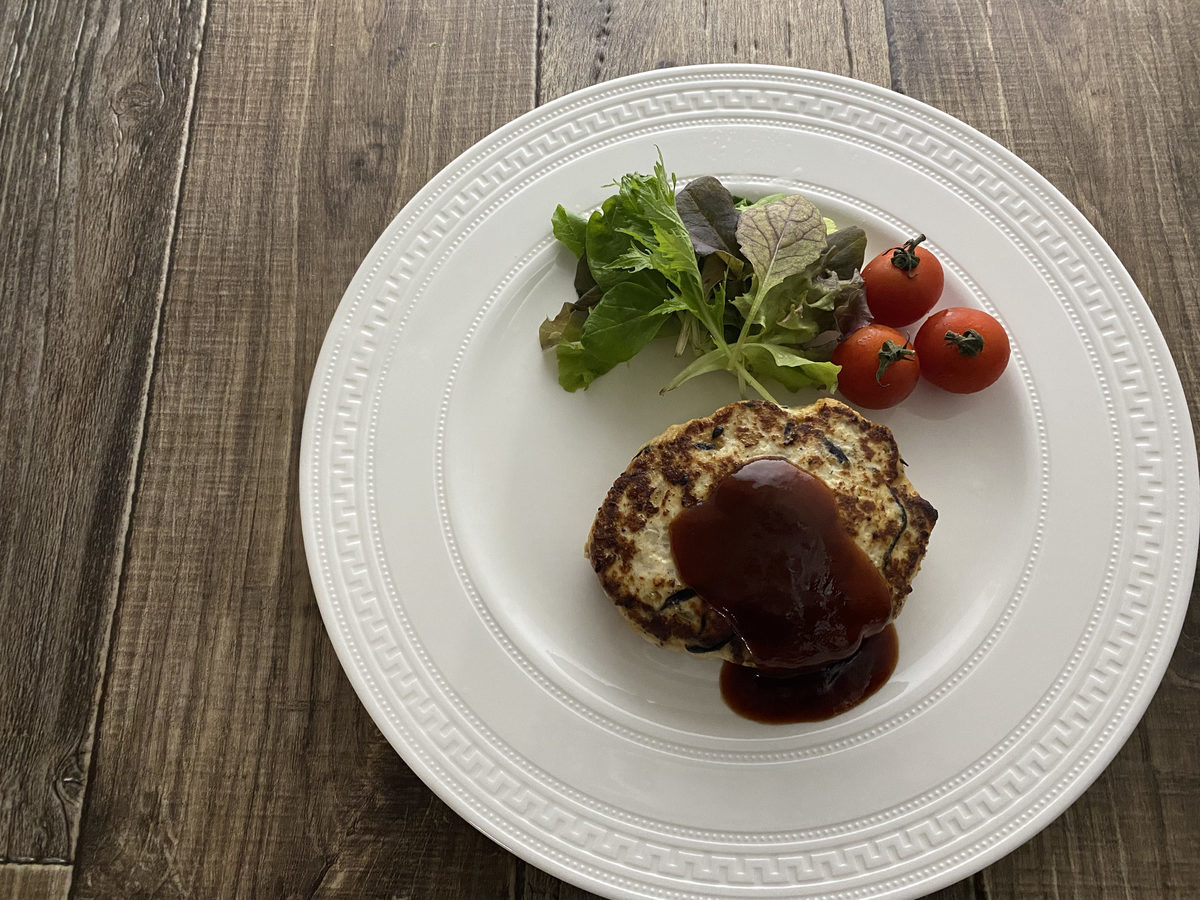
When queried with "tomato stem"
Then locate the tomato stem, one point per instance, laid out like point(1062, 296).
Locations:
point(905, 257)
point(889, 353)
point(969, 343)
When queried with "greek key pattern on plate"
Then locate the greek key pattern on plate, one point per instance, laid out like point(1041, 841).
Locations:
point(971, 814)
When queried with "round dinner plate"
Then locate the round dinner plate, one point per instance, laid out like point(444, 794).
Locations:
point(448, 484)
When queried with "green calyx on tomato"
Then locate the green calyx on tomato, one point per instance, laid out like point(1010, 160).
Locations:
point(969, 343)
point(903, 283)
point(891, 353)
point(961, 349)
point(865, 355)
point(905, 257)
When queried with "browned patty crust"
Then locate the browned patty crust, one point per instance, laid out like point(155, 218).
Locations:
point(629, 545)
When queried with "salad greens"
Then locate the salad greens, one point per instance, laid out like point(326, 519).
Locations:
point(760, 289)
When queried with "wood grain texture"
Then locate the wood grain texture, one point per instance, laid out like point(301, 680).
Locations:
point(159, 323)
point(1072, 89)
point(93, 113)
point(583, 42)
point(233, 758)
point(536, 885)
point(967, 889)
point(34, 882)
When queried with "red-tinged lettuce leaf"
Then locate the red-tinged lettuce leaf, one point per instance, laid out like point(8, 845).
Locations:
point(713, 271)
point(780, 238)
point(706, 208)
point(851, 312)
point(824, 294)
point(717, 269)
point(566, 327)
point(568, 324)
point(836, 308)
point(845, 251)
point(584, 282)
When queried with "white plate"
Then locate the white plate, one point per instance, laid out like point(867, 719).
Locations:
point(448, 484)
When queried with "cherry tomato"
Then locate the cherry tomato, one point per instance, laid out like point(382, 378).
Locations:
point(903, 283)
point(962, 350)
point(879, 369)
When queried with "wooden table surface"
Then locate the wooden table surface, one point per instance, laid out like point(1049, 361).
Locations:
point(185, 191)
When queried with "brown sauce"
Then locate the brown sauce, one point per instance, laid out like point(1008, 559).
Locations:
point(777, 696)
point(768, 551)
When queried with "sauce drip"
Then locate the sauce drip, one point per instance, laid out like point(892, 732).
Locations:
point(767, 550)
point(777, 696)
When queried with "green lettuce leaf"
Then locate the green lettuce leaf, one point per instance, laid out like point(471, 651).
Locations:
point(627, 318)
point(741, 203)
point(569, 228)
point(712, 361)
point(577, 368)
point(789, 368)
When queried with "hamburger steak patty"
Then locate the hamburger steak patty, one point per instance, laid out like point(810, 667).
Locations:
point(630, 545)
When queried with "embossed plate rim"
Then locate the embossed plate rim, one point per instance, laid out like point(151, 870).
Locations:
point(333, 606)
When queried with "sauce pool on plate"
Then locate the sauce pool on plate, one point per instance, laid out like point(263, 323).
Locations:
point(779, 696)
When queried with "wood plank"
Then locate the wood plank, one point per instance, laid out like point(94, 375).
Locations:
point(233, 758)
point(537, 885)
point(93, 116)
point(35, 882)
point(967, 889)
point(583, 42)
point(1077, 95)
